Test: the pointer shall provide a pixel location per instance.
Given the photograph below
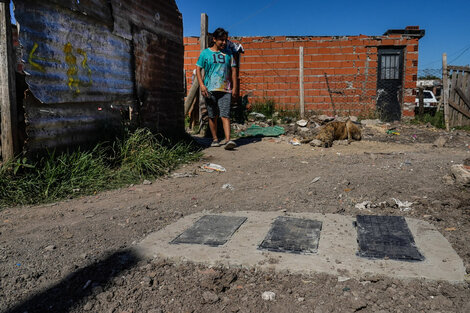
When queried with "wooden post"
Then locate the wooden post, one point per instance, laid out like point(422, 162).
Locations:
point(421, 101)
point(7, 86)
point(301, 82)
point(445, 91)
point(191, 95)
point(203, 44)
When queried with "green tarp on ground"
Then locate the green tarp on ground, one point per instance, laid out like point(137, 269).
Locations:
point(256, 130)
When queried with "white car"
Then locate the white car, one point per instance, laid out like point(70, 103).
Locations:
point(430, 101)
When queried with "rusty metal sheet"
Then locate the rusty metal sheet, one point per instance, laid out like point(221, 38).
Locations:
point(51, 126)
point(160, 17)
point(98, 9)
point(72, 58)
point(83, 74)
point(159, 80)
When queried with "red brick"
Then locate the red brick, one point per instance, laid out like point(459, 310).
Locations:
point(288, 44)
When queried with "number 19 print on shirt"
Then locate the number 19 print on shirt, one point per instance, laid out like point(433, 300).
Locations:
point(217, 69)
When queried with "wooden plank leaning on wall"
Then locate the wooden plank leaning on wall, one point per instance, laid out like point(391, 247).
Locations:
point(8, 123)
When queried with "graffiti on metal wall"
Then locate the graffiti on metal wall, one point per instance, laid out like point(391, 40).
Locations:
point(32, 58)
point(74, 82)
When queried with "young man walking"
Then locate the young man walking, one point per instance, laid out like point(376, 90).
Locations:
point(218, 86)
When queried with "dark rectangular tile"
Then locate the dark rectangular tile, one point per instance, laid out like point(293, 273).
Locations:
point(212, 230)
point(293, 235)
point(386, 237)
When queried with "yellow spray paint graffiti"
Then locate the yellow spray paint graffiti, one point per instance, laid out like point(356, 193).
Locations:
point(32, 57)
point(72, 72)
point(85, 67)
point(73, 81)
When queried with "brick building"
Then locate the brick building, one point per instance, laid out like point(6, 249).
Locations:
point(343, 75)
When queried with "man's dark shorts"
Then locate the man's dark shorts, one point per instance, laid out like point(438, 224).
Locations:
point(218, 104)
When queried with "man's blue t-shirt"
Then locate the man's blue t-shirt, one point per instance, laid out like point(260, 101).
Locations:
point(216, 67)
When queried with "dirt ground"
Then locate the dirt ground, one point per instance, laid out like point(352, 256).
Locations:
point(76, 255)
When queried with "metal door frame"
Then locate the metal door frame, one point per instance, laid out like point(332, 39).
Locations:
point(392, 50)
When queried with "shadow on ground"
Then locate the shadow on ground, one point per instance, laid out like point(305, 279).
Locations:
point(74, 288)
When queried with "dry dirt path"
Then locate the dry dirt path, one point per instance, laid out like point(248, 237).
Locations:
point(73, 255)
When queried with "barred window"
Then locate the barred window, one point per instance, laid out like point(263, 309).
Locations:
point(390, 67)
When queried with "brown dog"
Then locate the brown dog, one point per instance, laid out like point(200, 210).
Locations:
point(337, 131)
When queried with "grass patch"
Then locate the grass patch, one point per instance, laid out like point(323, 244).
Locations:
point(265, 107)
point(369, 114)
point(138, 156)
point(436, 119)
point(292, 114)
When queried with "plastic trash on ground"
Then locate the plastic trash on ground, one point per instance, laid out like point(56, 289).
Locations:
point(211, 167)
point(403, 205)
point(295, 142)
point(228, 186)
point(256, 130)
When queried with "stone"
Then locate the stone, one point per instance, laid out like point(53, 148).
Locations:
point(466, 162)
point(268, 296)
point(255, 116)
point(370, 122)
point(341, 142)
point(316, 143)
point(146, 182)
point(448, 179)
point(461, 175)
point(363, 205)
point(440, 142)
point(88, 306)
point(325, 118)
point(227, 187)
point(210, 297)
point(50, 248)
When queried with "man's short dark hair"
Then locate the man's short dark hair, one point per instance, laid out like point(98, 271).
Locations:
point(219, 33)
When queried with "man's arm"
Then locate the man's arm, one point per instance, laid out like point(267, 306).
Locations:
point(204, 91)
point(234, 81)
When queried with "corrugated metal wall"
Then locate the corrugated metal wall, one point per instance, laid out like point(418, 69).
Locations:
point(88, 62)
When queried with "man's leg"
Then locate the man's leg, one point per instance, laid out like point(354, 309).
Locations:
point(212, 112)
point(213, 128)
point(224, 109)
point(226, 125)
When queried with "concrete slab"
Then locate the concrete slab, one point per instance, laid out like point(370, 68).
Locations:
point(336, 250)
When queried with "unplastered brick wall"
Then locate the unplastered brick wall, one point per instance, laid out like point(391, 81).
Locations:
point(340, 72)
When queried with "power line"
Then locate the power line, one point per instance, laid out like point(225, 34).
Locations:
point(460, 55)
point(454, 53)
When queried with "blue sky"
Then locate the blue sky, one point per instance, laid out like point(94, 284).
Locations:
point(447, 23)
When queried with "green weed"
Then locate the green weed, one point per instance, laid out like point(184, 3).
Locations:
point(437, 120)
point(466, 128)
point(138, 156)
point(369, 114)
point(265, 106)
